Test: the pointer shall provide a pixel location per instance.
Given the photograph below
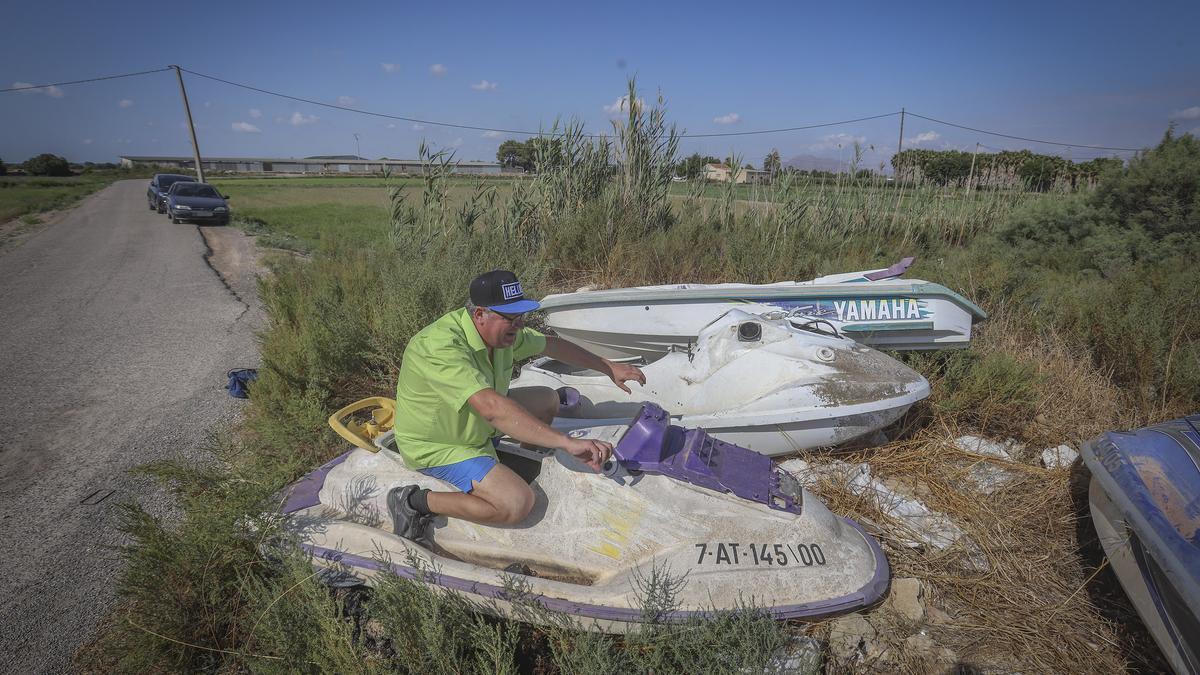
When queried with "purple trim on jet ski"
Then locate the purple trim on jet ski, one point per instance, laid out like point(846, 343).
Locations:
point(569, 400)
point(891, 272)
point(306, 492)
point(654, 445)
point(871, 592)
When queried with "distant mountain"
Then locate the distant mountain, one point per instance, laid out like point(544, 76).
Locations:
point(814, 163)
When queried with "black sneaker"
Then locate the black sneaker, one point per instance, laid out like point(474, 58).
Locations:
point(406, 521)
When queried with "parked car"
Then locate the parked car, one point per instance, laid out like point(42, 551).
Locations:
point(156, 194)
point(196, 202)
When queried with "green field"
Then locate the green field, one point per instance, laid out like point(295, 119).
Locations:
point(21, 195)
point(304, 212)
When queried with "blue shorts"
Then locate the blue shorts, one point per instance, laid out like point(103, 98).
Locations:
point(460, 474)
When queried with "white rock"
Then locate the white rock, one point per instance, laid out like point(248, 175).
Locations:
point(1060, 457)
point(919, 525)
point(851, 637)
point(1009, 449)
point(988, 477)
point(907, 598)
point(802, 655)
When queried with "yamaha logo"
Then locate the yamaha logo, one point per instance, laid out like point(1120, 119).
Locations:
point(512, 290)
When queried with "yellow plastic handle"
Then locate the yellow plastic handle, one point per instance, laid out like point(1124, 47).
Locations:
point(362, 434)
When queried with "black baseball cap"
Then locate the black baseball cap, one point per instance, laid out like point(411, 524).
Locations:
point(499, 290)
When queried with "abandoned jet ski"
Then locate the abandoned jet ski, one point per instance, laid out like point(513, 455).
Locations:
point(873, 307)
point(736, 528)
point(1145, 503)
point(760, 383)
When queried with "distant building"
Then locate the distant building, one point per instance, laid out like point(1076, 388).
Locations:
point(324, 165)
point(721, 173)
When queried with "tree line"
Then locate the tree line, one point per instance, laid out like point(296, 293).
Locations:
point(1007, 169)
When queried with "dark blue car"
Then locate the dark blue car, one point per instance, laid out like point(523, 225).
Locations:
point(156, 194)
point(197, 202)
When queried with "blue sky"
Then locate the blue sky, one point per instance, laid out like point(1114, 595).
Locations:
point(1096, 73)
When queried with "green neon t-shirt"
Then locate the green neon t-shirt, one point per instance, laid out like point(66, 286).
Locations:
point(444, 365)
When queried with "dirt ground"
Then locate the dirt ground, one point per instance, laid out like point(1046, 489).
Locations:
point(235, 257)
point(18, 230)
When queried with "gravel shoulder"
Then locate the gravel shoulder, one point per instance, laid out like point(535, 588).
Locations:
point(119, 329)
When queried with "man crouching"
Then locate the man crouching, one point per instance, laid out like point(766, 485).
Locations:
point(453, 402)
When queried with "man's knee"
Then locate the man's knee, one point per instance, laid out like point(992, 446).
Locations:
point(509, 496)
point(517, 505)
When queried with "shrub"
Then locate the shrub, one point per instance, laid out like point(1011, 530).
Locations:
point(48, 165)
point(1160, 191)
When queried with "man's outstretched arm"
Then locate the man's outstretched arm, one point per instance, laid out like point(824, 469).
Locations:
point(569, 352)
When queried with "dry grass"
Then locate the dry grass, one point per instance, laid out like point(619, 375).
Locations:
point(1025, 589)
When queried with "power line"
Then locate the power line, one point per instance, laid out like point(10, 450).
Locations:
point(540, 133)
point(94, 79)
point(1019, 138)
point(773, 131)
point(507, 131)
point(359, 111)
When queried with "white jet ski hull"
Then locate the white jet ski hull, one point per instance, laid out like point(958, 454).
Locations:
point(788, 390)
point(647, 321)
point(592, 538)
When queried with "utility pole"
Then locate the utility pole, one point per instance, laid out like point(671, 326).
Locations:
point(191, 127)
point(900, 145)
point(357, 150)
point(971, 178)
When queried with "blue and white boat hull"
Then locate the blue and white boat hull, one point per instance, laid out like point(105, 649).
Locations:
point(1145, 504)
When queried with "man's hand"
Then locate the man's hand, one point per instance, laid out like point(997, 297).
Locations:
point(589, 451)
point(624, 372)
point(569, 352)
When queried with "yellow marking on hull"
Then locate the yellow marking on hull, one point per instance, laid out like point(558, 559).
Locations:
point(607, 549)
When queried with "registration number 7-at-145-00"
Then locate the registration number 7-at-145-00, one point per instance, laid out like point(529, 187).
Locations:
point(760, 554)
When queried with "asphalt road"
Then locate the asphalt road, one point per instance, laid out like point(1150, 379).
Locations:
point(115, 336)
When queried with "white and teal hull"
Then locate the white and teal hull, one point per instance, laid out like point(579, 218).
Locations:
point(647, 321)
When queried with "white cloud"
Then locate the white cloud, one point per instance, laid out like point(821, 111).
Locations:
point(924, 137)
point(484, 85)
point(832, 141)
point(437, 69)
point(246, 128)
point(621, 104)
point(1192, 113)
point(297, 119)
point(418, 127)
point(731, 118)
point(208, 104)
point(391, 126)
point(87, 141)
point(492, 134)
point(456, 143)
point(51, 91)
point(347, 100)
point(390, 67)
point(125, 103)
point(255, 113)
point(149, 124)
